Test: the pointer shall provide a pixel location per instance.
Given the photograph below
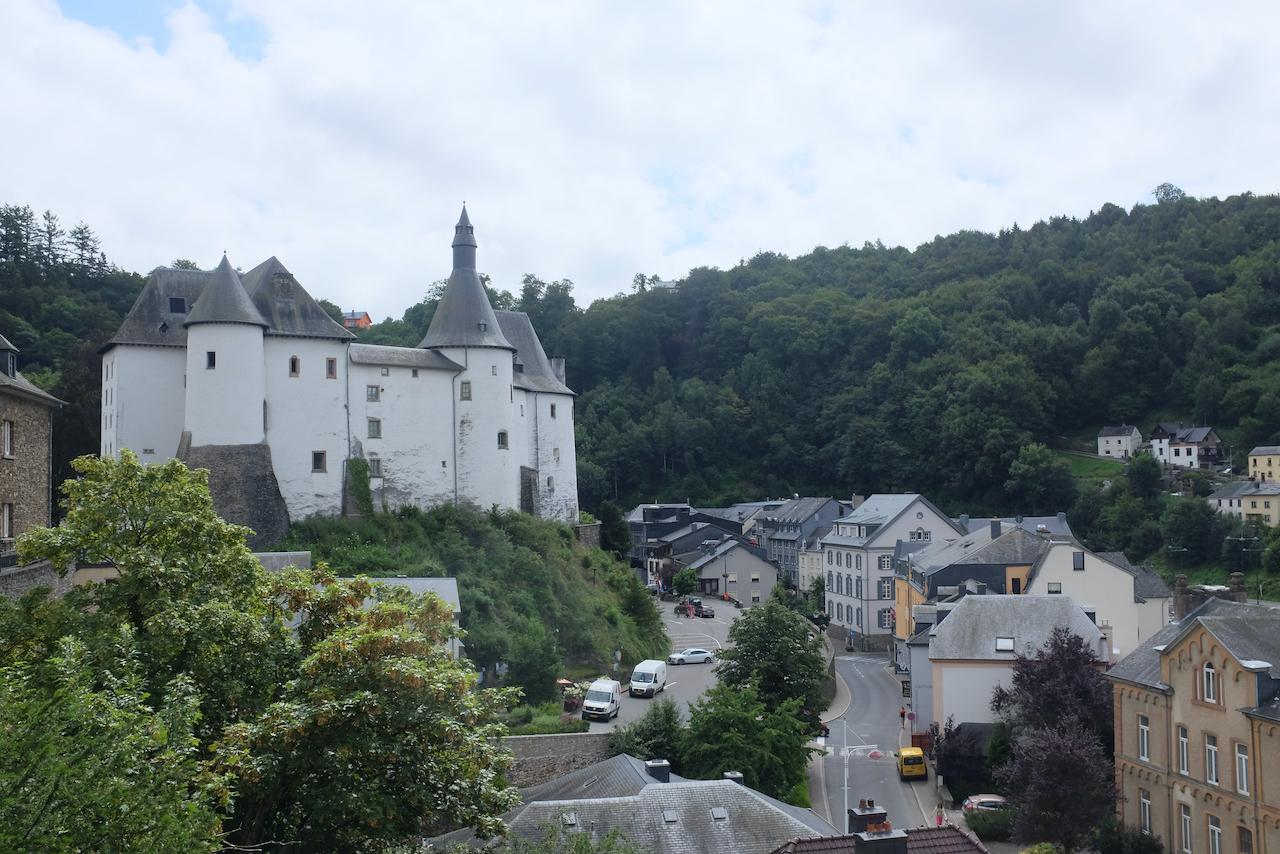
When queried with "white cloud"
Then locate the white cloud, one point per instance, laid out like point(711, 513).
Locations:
point(596, 140)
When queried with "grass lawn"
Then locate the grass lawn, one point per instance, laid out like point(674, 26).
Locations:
point(1091, 467)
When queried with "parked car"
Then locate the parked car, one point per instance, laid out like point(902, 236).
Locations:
point(705, 611)
point(984, 802)
point(649, 679)
point(603, 700)
point(692, 655)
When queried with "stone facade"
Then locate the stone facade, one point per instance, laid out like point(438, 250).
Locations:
point(25, 472)
point(539, 758)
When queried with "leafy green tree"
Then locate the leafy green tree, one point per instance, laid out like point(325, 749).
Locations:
point(88, 768)
point(1040, 481)
point(685, 582)
point(615, 536)
point(1192, 524)
point(657, 734)
point(331, 309)
point(1144, 475)
point(731, 729)
point(184, 264)
point(534, 663)
point(773, 650)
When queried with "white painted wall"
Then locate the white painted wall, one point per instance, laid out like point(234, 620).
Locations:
point(307, 413)
point(963, 690)
point(921, 674)
point(557, 494)
point(486, 474)
point(224, 404)
point(146, 401)
point(1100, 586)
point(1120, 447)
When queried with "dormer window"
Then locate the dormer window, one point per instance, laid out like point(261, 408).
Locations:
point(10, 364)
point(483, 325)
point(177, 305)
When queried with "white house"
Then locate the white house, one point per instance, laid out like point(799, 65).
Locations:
point(246, 375)
point(1186, 447)
point(1122, 441)
point(858, 557)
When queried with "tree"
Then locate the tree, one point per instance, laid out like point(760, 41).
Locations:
point(773, 651)
point(185, 264)
point(731, 729)
point(1144, 475)
point(379, 732)
point(1061, 682)
point(1039, 482)
point(1192, 524)
point(534, 663)
point(1061, 785)
point(85, 768)
point(334, 312)
point(657, 734)
point(1167, 192)
point(615, 535)
point(86, 249)
point(685, 582)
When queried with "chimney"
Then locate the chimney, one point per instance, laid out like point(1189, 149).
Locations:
point(964, 522)
point(735, 776)
point(880, 841)
point(1238, 593)
point(1062, 518)
point(856, 501)
point(1181, 597)
point(995, 528)
point(659, 769)
point(865, 814)
point(557, 367)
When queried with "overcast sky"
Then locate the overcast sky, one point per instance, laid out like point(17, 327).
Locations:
point(595, 140)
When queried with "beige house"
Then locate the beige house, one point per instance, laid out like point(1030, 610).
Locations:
point(1197, 724)
point(1264, 462)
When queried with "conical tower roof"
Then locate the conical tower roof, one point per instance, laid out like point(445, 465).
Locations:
point(224, 300)
point(464, 317)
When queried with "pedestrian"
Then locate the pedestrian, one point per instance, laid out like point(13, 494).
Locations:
point(939, 815)
point(902, 717)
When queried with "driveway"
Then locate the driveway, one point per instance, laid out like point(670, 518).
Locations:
point(686, 682)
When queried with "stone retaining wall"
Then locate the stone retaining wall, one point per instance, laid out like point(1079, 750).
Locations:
point(539, 758)
point(14, 582)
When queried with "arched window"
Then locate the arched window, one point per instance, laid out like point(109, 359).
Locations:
point(848, 584)
point(859, 562)
point(829, 581)
point(502, 444)
point(830, 559)
point(840, 612)
point(829, 608)
point(1210, 683)
point(295, 364)
point(839, 588)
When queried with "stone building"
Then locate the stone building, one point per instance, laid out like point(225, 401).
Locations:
point(26, 458)
point(248, 376)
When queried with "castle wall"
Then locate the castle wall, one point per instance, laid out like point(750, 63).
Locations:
point(307, 413)
point(224, 404)
point(415, 419)
point(487, 474)
point(143, 395)
point(557, 464)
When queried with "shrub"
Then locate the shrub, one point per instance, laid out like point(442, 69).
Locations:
point(1116, 838)
point(991, 825)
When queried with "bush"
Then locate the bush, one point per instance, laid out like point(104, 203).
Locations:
point(991, 825)
point(1116, 838)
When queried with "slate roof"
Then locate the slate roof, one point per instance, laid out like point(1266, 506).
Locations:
point(287, 306)
point(616, 777)
point(445, 588)
point(798, 509)
point(1147, 583)
point(1122, 430)
point(1013, 547)
point(880, 508)
point(224, 300)
point(969, 631)
point(20, 386)
point(5, 345)
point(1269, 710)
point(1242, 488)
point(405, 357)
point(1142, 666)
point(947, 839)
point(464, 317)
point(1265, 449)
point(724, 548)
point(1192, 435)
point(1057, 524)
point(538, 374)
point(150, 321)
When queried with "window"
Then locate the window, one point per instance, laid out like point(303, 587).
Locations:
point(839, 583)
point(857, 617)
point(1242, 769)
point(755, 578)
point(555, 454)
point(858, 561)
point(1017, 585)
point(210, 360)
point(375, 428)
point(493, 369)
point(319, 461)
point(1184, 813)
point(372, 393)
point(1210, 683)
point(1077, 561)
point(839, 558)
point(375, 467)
point(502, 439)
point(1246, 841)
point(829, 574)
point(6, 521)
point(1211, 759)
point(464, 390)
point(1144, 811)
point(1055, 586)
point(1215, 835)
point(553, 410)
point(859, 588)
point(414, 373)
point(884, 618)
point(886, 588)
point(755, 597)
point(1004, 644)
point(1144, 737)
point(830, 559)
point(840, 612)
point(6, 437)
point(1184, 752)
point(294, 365)
point(177, 305)
point(885, 563)
point(830, 610)
point(551, 485)
point(731, 578)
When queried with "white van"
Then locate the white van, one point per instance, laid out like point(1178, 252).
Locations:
point(603, 700)
point(649, 679)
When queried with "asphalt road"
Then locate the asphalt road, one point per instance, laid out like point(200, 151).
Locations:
point(868, 734)
point(685, 682)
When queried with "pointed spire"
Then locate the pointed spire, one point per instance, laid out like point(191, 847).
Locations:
point(464, 241)
point(224, 300)
point(464, 317)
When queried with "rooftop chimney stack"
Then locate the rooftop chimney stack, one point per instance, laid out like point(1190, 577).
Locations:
point(865, 814)
point(995, 528)
point(1237, 587)
point(557, 367)
point(964, 522)
point(735, 776)
point(659, 769)
point(877, 841)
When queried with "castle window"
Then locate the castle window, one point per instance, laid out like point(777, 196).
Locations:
point(375, 428)
point(372, 393)
point(210, 360)
point(551, 484)
point(331, 369)
point(295, 364)
point(555, 454)
point(177, 305)
point(493, 369)
point(553, 410)
point(319, 461)
point(502, 439)
point(483, 326)
point(415, 373)
point(386, 372)
point(6, 438)
point(375, 467)
point(464, 390)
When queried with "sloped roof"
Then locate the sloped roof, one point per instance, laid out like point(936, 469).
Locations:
point(880, 508)
point(1192, 435)
point(1242, 488)
point(20, 386)
point(969, 632)
point(537, 374)
point(724, 548)
point(1122, 430)
point(445, 588)
point(224, 300)
point(1266, 449)
point(150, 321)
point(1015, 546)
point(464, 317)
point(799, 509)
point(1147, 583)
point(947, 839)
point(1057, 524)
point(404, 357)
point(5, 345)
point(1142, 666)
point(287, 306)
point(616, 777)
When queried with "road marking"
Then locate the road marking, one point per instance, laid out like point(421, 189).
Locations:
point(670, 685)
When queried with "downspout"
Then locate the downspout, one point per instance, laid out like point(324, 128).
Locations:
point(1260, 843)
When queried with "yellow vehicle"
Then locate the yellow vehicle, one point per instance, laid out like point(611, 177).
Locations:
point(911, 764)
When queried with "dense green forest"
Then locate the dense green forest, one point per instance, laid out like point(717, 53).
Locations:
point(876, 368)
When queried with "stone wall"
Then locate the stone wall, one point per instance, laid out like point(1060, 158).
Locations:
point(14, 582)
point(24, 476)
point(588, 535)
point(539, 758)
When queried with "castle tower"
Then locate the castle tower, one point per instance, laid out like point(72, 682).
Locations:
point(226, 370)
point(465, 329)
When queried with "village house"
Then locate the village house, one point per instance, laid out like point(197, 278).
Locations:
point(1252, 501)
point(784, 531)
point(729, 568)
point(26, 455)
point(356, 320)
point(1197, 719)
point(1122, 441)
point(1175, 444)
point(1264, 463)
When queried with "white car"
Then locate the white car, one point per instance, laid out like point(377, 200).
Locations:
point(693, 655)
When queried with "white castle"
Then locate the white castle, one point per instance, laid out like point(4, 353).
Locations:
point(248, 376)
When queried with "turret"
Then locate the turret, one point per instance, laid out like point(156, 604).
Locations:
point(464, 317)
point(226, 369)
